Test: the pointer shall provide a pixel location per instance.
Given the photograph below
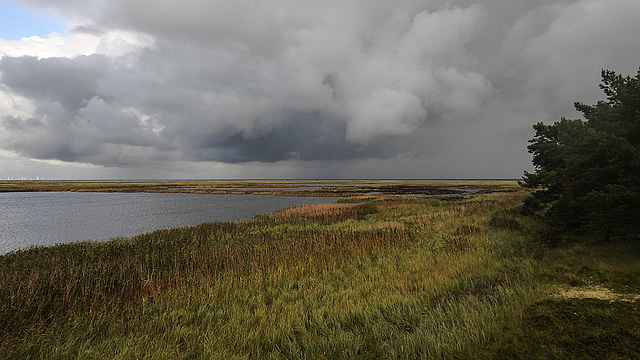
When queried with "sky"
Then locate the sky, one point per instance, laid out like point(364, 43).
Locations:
point(289, 89)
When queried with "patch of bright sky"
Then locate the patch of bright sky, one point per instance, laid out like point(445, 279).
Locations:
point(17, 22)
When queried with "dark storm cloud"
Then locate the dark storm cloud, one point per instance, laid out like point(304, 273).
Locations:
point(246, 81)
point(305, 139)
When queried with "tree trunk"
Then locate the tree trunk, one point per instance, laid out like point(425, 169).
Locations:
point(607, 234)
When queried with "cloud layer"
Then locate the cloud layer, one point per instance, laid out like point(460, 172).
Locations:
point(430, 83)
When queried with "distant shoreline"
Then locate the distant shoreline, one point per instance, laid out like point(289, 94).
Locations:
point(320, 188)
point(269, 180)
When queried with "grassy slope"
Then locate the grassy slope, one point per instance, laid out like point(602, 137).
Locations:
point(392, 277)
point(588, 308)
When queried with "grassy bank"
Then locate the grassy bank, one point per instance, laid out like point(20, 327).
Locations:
point(371, 277)
point(588, 307)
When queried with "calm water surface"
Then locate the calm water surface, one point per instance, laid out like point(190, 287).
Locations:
point(47, 218)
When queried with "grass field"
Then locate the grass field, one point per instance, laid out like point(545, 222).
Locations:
point(370, 277)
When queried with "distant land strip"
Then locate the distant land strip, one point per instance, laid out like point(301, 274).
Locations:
point(339, 188)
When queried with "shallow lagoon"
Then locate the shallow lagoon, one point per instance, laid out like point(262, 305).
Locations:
point(48, 218)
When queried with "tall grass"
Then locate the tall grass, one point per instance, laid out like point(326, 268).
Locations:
point(387, 277)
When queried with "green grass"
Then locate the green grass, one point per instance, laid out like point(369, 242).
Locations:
point(587, 308)
point(368, 278)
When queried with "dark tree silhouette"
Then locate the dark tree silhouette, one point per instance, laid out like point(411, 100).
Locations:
point(587, 172)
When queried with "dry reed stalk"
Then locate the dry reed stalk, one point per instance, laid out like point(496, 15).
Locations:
point(319, 211)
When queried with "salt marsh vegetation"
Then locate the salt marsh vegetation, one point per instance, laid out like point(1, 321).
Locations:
point(372, 276)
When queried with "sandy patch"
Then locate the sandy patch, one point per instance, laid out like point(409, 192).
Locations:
point(594, 292)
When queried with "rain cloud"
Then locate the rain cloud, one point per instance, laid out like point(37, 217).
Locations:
point(429, 83)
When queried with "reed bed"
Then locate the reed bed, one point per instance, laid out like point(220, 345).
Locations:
point(323, 212)
point(386, 277)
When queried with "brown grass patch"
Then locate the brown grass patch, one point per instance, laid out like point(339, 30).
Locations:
point(320, 212)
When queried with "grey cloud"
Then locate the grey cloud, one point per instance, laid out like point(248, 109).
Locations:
point(304, 137)
point(245, 81)
point(73, 120)
point(71, 82)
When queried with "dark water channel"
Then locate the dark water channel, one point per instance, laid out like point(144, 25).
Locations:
point(47, 218)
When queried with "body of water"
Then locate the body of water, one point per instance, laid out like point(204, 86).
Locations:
point(48, 218)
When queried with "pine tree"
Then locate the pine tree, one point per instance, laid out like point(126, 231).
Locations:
point(587, 172)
